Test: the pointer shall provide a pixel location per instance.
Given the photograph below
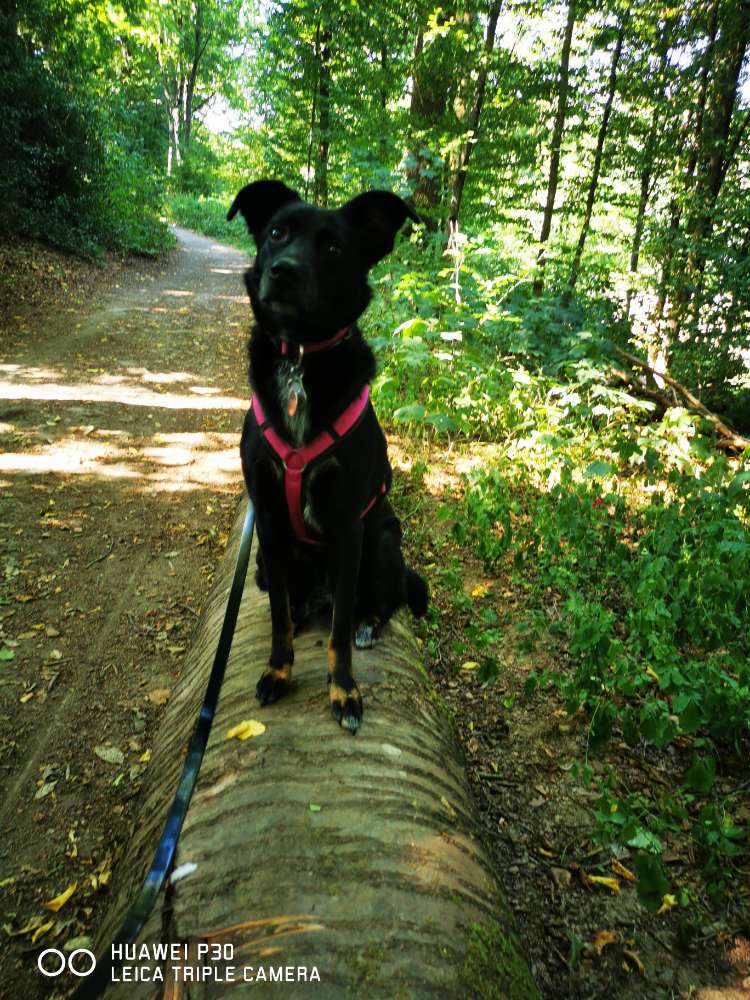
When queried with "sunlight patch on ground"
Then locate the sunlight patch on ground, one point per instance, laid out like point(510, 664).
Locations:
point(23, 382)
point(171, 462)
point(444, 471)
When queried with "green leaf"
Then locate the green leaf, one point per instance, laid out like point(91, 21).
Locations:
point(701, 775)
point(442, 422)
point(691, 718)
point(314, 808)
point(7, 654)
point(410, 327)
point(737, 483)
point(643, 840)
point(414, 411)
point(597, 469)
point(652, 883)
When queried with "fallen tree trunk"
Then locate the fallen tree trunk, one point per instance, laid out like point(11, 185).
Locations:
point(727, 437)
point(355, 856)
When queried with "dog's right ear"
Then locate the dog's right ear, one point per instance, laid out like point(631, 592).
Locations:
point(260, 201)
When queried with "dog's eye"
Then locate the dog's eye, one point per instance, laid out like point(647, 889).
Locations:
point(278, 233)
point(334, 250)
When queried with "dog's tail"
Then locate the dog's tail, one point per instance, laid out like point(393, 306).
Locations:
point(417, 593)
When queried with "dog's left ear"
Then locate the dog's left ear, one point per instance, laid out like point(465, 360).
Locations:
point(377, 216)
point(259, 202)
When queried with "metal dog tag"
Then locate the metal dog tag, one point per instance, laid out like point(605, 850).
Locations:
point(295, 392)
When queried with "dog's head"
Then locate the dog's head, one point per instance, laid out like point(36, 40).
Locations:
point(309, 278)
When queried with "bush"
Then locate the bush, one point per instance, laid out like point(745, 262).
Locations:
point(69, 176)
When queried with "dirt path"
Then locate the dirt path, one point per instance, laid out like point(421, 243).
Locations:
point(119, 474)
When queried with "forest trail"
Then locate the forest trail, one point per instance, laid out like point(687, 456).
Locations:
point(119, 468)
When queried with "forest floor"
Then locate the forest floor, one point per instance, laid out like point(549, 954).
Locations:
point(122, 391)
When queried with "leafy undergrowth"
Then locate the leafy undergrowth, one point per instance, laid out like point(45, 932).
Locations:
point(590, 565)
point(620, 846)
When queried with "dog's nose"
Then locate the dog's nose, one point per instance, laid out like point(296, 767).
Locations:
point(284, 267)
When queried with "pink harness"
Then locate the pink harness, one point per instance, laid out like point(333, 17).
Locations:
point(296, 460)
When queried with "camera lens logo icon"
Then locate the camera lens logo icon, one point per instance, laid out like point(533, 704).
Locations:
point(58, 962)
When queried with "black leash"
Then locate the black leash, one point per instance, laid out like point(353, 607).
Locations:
point(95, 984)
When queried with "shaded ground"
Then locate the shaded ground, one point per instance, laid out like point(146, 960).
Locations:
point(121, 399)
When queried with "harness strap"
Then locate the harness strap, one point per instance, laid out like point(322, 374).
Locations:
point(296, 460)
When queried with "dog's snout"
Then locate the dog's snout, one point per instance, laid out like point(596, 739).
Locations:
point(284, 267)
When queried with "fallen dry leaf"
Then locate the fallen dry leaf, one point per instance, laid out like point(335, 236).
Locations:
point(60, 901)
point(622, 871)
point(245, 729)
point(159, 696)
point(668, 903)
point(602, 939)
point(41, 930)
point(608, 883)
point(112, 755)
point(634, 958)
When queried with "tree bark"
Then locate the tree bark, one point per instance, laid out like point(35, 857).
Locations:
point(431, 77)
point(557, 134)
point(648, 168)
point(665, 333)
point(593, 183)
point(359, 856)
point(320, 188)
point(731, 48)
point(199, 48)
point(472, 121)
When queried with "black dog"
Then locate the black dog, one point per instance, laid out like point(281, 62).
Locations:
point(313, 454)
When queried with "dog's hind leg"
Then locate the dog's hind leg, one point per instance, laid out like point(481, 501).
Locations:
point(346, 700)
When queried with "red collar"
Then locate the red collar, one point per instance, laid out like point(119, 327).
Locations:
point(320, 345)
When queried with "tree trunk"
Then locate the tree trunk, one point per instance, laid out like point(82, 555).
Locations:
point(360, 857)
point(199, 47)
point(648, 168)
point(431, 78)
point(320, 189)
point(557, 134)
point(731, 47)
point(665, 333)
point(591, 196)
point(472, 121)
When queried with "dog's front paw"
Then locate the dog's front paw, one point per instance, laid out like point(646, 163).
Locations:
point(273, 683)
point(346, 706)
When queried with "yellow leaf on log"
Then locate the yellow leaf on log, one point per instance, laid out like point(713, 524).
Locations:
point(245, 729)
